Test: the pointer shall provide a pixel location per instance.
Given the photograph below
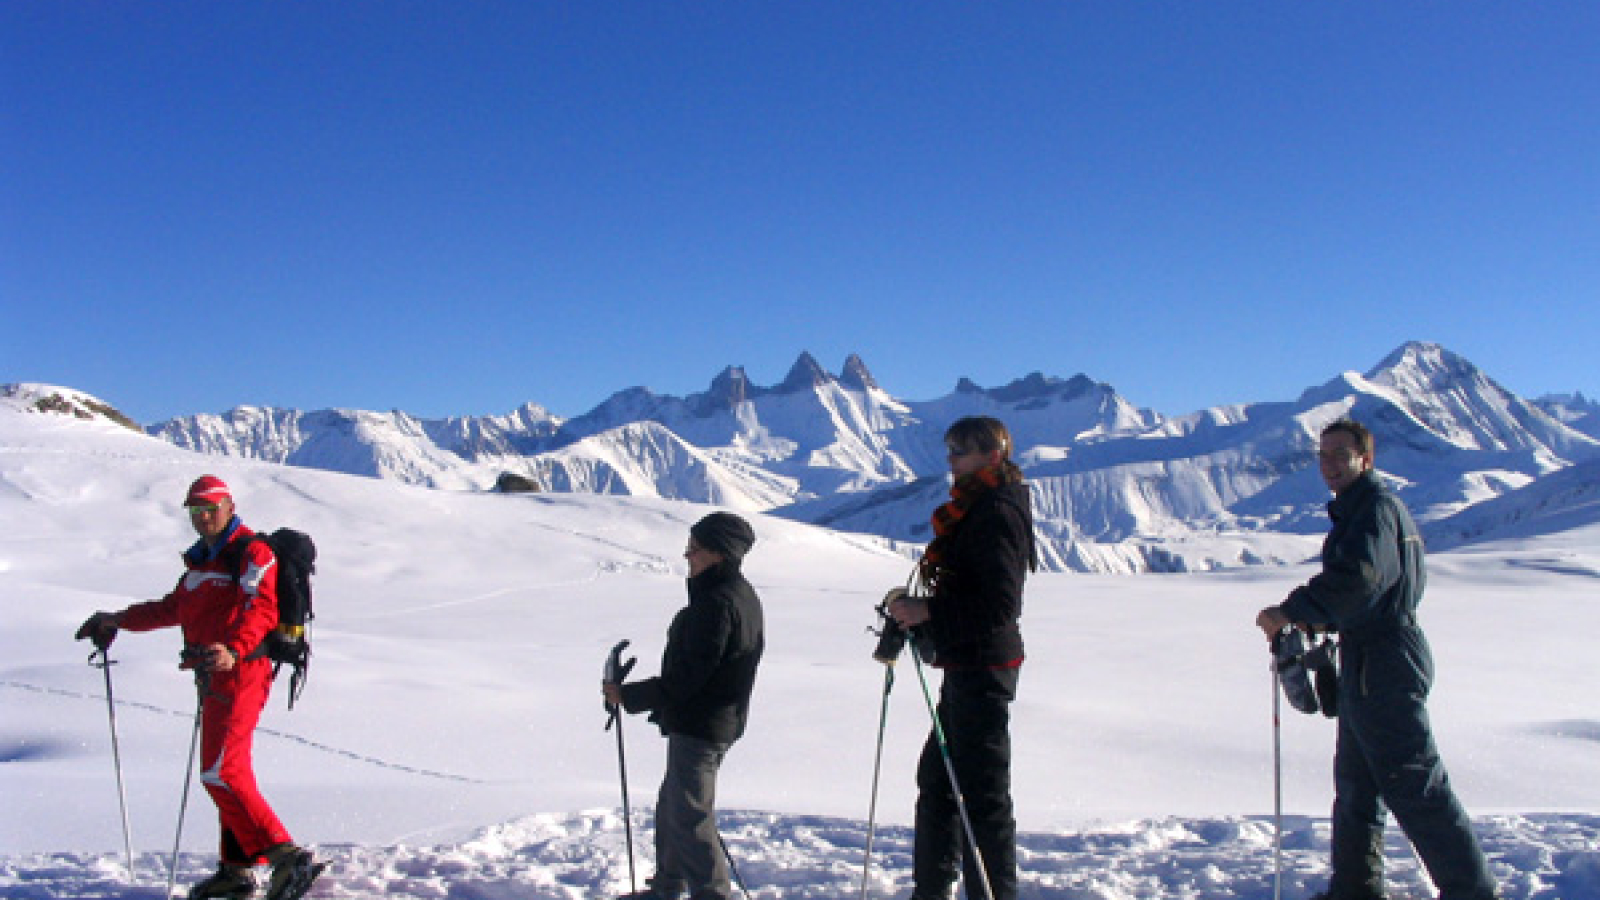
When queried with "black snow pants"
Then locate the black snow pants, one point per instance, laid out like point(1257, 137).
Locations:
point(974, 709)
point(1386, 759)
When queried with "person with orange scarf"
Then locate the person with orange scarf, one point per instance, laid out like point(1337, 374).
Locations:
point(965, 616)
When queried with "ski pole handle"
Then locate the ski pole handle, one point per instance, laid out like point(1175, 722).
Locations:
point(615, 669)
point(101, 628)
point(615, 673)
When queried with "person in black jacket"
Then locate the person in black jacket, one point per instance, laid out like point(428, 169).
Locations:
point(701, 701)
point(967, 612)
point(1368, 590)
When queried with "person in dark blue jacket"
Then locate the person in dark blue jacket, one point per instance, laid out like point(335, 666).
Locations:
point(701, 702)
point(1368, 591)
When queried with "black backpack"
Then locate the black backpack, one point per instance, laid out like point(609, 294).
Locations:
point(289, 643)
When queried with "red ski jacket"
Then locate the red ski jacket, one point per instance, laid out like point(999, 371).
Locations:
point(210, 605)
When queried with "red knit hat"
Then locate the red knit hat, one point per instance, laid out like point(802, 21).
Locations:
point(207, 489)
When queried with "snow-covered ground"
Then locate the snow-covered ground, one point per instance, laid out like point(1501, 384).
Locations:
point(450, 743)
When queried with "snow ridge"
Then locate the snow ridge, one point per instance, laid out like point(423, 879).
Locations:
point(1116, 487)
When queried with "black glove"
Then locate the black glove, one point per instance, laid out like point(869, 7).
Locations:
point(1323, 661)
point(100, 628)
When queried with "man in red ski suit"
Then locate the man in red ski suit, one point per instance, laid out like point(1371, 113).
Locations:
point(224, 618)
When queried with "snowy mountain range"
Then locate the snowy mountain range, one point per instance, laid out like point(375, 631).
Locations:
point(1117, 488)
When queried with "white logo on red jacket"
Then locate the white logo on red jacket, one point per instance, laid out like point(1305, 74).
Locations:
point(194, 579)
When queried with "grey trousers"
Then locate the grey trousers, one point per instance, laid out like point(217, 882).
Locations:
point(688, 851)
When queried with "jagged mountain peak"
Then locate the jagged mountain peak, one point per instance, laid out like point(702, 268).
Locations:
point(1033, 386)
point(1574, 400)
point(730, 388)
point(1455, 401)
point(1574, 410)
point(855, 375)
point(1037, 384)
point(1425, 364)
point(804, 375)
point(733, 386)
point(532, 411)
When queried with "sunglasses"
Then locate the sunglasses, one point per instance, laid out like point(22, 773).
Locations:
point(197, 509)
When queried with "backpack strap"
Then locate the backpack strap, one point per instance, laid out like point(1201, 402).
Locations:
point(233, 555)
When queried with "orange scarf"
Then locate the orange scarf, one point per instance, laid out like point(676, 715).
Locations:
point(963, 494)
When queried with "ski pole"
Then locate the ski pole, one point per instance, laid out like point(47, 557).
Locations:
point(1277, 789)
point(950, 769)
point(627, 813)
point(733, 867)
point(104, 665)
point(615, 671)
point(877, 767)
point(188, 776)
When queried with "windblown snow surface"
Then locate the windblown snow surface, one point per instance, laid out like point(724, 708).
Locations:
point(451, 743)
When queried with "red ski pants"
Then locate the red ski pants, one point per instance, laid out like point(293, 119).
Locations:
point(232, 707)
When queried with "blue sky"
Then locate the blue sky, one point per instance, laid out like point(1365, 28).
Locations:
point(453, 208)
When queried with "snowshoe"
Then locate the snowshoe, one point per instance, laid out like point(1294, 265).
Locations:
point(230, 883)
point(656, 890)
point(293, 871)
